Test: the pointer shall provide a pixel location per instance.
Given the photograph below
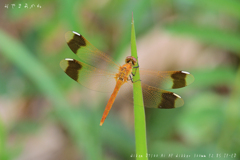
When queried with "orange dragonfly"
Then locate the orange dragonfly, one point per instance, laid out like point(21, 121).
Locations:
point(93, 64)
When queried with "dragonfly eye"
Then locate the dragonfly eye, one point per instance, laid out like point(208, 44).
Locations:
point(131, 59)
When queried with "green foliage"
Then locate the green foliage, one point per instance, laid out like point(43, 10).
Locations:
point(208, 35)
point(32, 44)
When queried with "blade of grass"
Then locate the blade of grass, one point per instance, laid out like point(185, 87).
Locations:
point(139, 113)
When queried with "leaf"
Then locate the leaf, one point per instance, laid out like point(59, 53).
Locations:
point(208, 35)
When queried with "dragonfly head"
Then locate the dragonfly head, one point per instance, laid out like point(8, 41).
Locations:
point(131, 59)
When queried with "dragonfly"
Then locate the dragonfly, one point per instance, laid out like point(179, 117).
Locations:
point(97, 71)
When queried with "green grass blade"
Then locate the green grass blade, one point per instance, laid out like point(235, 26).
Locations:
point(139, 113)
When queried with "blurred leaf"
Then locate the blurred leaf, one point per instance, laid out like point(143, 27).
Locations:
point(70, 11)
point(36, 71)
point(212, 77)
point(118, 138)
point(159, 117)
point(3, 138)
point(123, 10)
point(26, 127)
point(231, 7)
point(202, 118)
point(229, 138)
point(208, 35)
point(6, 153)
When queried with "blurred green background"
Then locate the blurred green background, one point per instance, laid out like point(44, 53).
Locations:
point(45, 115)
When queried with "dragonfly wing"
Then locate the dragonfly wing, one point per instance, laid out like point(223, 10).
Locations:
point(87, 52)
point(88, 76)
point(152, 97)
point(166, 79)
point(158, 98)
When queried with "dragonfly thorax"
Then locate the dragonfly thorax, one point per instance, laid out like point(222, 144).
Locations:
point(124, 72)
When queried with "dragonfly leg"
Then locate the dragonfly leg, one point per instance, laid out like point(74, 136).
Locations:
point(135, 68)
point(130, 78)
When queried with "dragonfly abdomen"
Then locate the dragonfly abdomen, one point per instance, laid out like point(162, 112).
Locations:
point(111, 100)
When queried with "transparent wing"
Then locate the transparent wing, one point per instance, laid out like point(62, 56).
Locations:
point(153, 97)
point(87, 52)
point(166, 79)
point(158, 98)
point(89, 76)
